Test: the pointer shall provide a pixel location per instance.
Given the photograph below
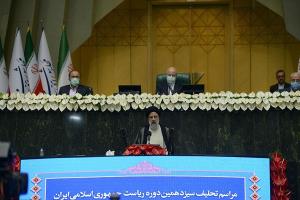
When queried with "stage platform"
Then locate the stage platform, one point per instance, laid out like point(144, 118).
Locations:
point(198, 132)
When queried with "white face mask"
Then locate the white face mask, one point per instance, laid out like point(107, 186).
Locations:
point(171, 79)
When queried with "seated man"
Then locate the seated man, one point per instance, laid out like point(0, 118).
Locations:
point(74, 86)
point(295, 81)
point(281, 85)
point(154, 133)
point(170, 86)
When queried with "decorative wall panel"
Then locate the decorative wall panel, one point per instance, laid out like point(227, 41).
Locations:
point(238, 46)
point(261, 39)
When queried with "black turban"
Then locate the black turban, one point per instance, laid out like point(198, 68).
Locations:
point(152, 109)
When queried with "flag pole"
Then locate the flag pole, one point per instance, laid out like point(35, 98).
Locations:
point(42, 24)
point(28, 27)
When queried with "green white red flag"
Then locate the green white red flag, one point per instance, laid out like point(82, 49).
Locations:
point(64, 65)
point(33, 74)
point(3, 72)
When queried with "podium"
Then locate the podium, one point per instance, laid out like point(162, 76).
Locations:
point(148, 177)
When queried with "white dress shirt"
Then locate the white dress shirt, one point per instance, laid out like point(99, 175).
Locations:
point(73, 91)
point(157, 137)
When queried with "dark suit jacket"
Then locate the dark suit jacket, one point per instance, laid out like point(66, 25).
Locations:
point(163, 88)
point(81, 89)
point(274, 87)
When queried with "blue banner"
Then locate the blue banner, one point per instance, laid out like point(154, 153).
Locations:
point(148, 187)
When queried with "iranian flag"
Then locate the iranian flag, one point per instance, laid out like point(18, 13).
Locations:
point(64, 65)
point(18, 81)
point(46, 68)
point(35, 83)
point(3, 72)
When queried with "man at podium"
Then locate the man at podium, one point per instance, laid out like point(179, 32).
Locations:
point(155, 133)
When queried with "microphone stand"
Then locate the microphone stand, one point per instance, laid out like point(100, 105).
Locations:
point(148, 137)
point(124, 136)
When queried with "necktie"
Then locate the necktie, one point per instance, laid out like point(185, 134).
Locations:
point(170, 89)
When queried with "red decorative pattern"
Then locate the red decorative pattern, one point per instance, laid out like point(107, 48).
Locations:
point(35, 188)
point(255, 196)
point(254, 179)
point(16, 164)
point(145, 149)
point(35, 180)
point(278, 177)
point(254, 187)
point(35, 197)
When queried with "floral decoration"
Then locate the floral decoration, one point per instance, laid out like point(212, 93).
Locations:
point(145, 149)
point(16, 164)
point(279, 180)
point(114, 103)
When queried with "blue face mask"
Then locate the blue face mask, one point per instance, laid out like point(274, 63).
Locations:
point(74, 82)
point(171, 79)
point(295, 85)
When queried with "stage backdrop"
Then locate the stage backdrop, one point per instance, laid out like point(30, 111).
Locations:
point(244, 133)
point(214, 132)
point(239, 45)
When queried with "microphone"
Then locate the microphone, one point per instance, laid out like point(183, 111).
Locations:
point(171, 141)
point(172, 131)
point(148, 137)
point(123, 133)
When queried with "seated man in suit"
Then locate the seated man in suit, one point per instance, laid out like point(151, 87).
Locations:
point(295, 81)
point(75, 86)
point(154, 132)
point(281, 85)
point(170, 86)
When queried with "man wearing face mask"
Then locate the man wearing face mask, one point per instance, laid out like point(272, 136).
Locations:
point(170, 86)
point(75, 86)
point(295, 81)
point(154, 132)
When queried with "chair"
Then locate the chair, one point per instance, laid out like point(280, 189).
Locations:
point(181, 79)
